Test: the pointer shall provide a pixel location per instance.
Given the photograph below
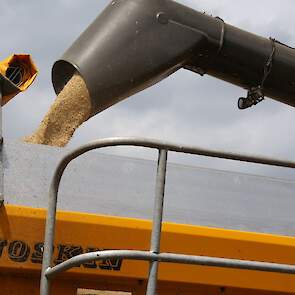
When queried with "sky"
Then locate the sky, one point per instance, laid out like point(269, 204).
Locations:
point(184, 108)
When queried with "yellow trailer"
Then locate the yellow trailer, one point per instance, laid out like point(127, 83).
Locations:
point(211, 260)
point(221, 233)
point(21, 256)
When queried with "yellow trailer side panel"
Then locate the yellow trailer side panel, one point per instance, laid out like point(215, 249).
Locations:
point(22, 232)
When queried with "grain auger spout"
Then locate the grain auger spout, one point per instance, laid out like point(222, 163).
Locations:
point(17, 73)
point(134, 44)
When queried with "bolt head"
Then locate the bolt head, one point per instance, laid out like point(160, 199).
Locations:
point(162, 18)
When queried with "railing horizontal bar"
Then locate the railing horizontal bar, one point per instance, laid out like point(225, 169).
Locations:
point(159, 144)
point(170, 258)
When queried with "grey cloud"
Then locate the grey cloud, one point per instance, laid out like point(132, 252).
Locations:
point(184, 108)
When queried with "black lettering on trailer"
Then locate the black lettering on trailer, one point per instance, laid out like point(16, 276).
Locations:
point(3, 244)
point(18, 251)
point(107, 264)
point(66, 252)
point(37, 255)
point(110, 264)
point(91, 264)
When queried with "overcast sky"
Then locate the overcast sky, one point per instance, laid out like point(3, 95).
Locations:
point(185, 108)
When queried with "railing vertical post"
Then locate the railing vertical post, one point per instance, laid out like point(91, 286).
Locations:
point(157, 221)
point(49, 237)
point(1, 154)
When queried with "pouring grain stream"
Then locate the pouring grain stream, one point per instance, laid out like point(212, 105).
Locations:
point(71, 108)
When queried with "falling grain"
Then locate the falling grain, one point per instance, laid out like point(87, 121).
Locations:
point(71, 108)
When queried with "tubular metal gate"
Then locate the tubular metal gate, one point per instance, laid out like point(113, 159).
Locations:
point(153, 256)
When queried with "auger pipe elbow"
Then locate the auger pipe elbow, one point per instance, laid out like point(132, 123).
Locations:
point(119, 56)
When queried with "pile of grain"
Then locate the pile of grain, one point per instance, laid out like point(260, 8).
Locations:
point(71, 108)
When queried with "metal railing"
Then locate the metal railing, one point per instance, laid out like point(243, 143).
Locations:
point(153, 256)
point(1, 153)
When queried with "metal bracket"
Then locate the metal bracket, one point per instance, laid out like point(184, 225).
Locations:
point(256, 94)
point(164, 20)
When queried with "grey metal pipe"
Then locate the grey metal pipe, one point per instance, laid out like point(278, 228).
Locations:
point(50, 229)
point(134, 44)
point(159, 144)
point(157, 221)
point(170, 258)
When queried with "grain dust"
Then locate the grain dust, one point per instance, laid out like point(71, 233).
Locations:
point(71, 108)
